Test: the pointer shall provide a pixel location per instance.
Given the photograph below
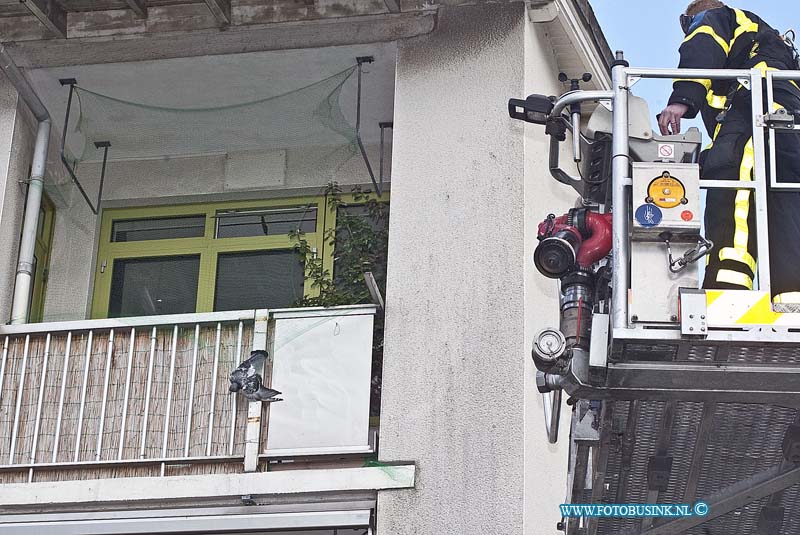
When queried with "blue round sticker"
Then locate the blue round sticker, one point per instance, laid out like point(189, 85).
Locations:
point(648, 215)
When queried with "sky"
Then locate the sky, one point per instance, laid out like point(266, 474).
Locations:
point(649, 33)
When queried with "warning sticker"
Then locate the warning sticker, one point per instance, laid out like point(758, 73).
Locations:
point(666, 150)
point(687, 215)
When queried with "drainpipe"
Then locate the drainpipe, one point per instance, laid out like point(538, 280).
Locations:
point(23, 283)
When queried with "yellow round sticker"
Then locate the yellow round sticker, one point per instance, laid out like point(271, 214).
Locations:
point(666, 192)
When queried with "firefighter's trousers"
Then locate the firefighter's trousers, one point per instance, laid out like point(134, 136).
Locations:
point(730, 214)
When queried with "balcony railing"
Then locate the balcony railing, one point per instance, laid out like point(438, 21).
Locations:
point(143, 396)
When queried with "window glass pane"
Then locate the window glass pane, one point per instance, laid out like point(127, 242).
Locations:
point(268, 222)
point(161, 228)
point(258, 279)
point(150, 286)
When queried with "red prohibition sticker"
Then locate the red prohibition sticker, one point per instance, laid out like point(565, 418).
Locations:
point(687, 215)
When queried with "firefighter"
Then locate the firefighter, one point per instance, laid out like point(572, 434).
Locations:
point(721, 37)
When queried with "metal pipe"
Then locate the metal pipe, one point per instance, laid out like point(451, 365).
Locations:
point(83, 395)
point(24, 277)
point(19, 400)
point(191, 390)
point(64, 374)
point(148, 388)
point(131, 346)
point(109, 357)
point(577, 97)
point(705, 74)
point(213, 391)
point(619, 198)
point(20, 307)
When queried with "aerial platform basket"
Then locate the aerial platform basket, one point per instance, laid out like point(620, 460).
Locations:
point(678, 393)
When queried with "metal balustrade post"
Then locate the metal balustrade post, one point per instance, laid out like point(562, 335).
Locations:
point(131, 346)
point(148, 390)
point(39, 403)
point(191, 391)
point(64, 374)
point(232, 396)
point(168, 410)
point(255, 409)
point(109, 356)
point(212, 401)
point(20, 392)
point(89, 340)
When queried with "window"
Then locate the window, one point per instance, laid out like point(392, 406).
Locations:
point(211, 257)
point(203, 258)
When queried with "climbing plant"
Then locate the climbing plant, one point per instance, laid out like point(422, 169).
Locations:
point(359, 240)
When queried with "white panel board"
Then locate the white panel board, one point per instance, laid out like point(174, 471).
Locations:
point(323, 367)
point(255, 170)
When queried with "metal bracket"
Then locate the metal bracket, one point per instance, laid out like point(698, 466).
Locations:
point(692, 306)
point(780, 120)
point(95, 208)
point(377, 183)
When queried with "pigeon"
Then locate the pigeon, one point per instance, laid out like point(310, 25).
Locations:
point(244, 379)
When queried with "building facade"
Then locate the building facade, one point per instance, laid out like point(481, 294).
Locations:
point(217, 178)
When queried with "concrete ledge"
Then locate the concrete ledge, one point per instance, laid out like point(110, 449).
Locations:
point(143, 489)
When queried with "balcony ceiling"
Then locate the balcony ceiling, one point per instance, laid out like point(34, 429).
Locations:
point(213, 81)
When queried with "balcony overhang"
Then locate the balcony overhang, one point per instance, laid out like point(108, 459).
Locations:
point(130, 493)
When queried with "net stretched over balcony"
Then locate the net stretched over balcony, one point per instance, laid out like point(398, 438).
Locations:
point(310, 116)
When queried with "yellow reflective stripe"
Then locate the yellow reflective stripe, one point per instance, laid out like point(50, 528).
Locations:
point(717, 101)
point(745, 26)
point(734, 277)
point(742, 203)
point(787, 298)
point(709, 31)
point(763, 67)
point(737, 255)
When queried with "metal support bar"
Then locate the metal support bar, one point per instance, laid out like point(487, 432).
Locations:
point(221, 9)
point(733, 497)
point(50, 14)
point(71, 82)
point(760, 179)
point(700, 445)
point(378, 185)
point(662, 448)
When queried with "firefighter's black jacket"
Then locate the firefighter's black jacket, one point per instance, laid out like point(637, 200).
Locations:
point(726, 38)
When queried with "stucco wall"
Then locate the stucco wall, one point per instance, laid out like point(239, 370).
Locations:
point(454, 373)
point(463, 297)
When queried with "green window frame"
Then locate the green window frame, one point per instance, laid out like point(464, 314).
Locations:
point(41, 253)
point(207, 247)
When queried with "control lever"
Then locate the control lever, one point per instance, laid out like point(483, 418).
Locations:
point(691, 256)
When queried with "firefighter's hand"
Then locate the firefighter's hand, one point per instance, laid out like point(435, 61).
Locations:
point(669, 122)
